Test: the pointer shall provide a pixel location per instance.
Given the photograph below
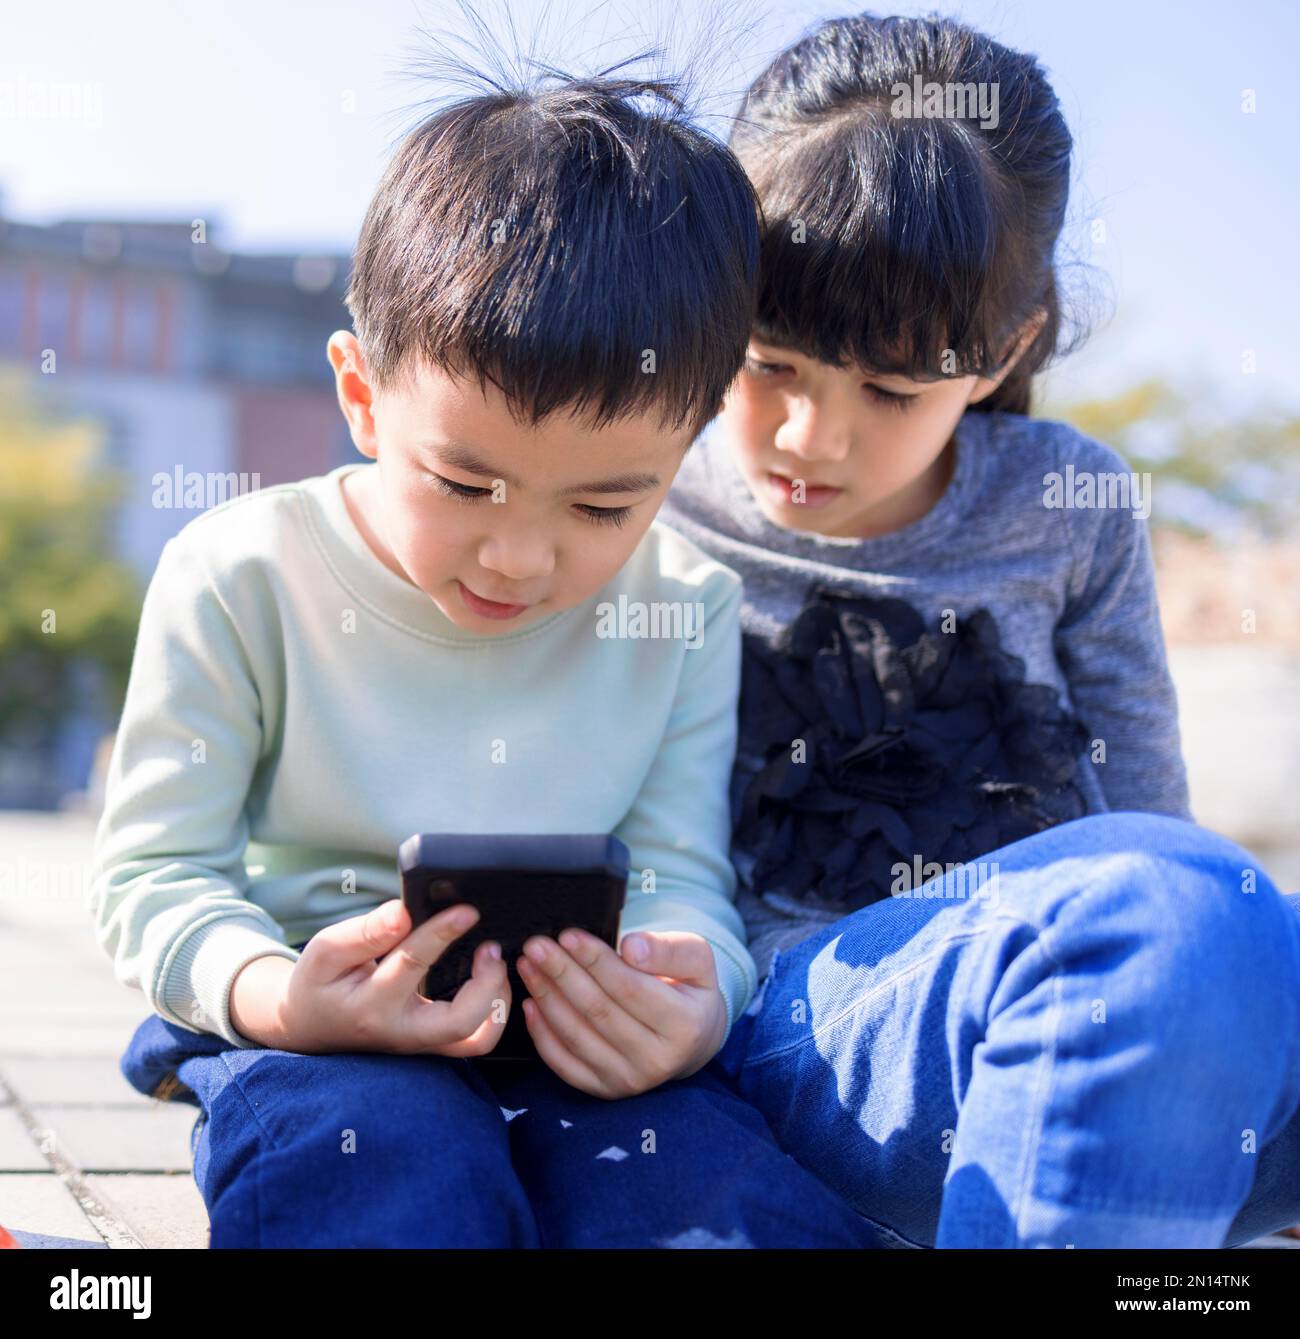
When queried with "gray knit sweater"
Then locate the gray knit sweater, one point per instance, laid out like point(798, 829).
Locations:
point(1070, 586)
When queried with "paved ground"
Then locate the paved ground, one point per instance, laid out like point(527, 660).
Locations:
point(85, 1160)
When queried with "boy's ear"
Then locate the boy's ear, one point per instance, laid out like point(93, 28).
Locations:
point(353, 390)
point(985, 386)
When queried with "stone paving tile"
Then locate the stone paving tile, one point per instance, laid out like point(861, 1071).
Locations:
point(26, 983)
point(164, 1211)
point(123, 1139)
point(27, 951)
point(64, 1011)
point(39, 1211)
point(67, 1037)
point(70, 1081)
point(19, 1151)
point(20, 1007)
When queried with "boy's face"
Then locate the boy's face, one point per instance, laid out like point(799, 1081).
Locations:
point(571, 502)
point(842, 451)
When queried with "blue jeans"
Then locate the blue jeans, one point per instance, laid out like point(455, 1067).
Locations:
point(1099, 1046)
point(371, 1150)
point(1102, 1049)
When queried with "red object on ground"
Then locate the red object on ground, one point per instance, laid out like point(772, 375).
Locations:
point(7, 1242)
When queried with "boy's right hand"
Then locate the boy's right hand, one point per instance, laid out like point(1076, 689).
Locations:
point(336, 997)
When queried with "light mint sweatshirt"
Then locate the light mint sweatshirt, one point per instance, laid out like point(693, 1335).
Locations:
point(295, 710)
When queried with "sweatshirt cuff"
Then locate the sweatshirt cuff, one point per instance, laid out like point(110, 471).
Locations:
point(196, 988)
point(733, 982)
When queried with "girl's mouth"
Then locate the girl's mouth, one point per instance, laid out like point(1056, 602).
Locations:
point(476, 604)
point(797, 493)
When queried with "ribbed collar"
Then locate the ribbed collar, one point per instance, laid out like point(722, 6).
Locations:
point(373, 585)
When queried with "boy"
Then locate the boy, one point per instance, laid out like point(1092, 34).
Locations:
point(551, 292)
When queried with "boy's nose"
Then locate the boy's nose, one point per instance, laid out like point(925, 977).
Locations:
point(518, 557)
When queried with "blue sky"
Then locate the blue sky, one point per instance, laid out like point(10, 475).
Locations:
point(275, 119)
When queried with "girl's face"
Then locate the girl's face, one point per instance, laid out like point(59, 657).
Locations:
point(842, 451)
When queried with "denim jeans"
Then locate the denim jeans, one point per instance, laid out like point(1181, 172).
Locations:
point(1098, 1044)
point(371, 1150)
point(1101, 1049)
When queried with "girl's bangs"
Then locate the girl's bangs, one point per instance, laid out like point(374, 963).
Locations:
point(880, 249)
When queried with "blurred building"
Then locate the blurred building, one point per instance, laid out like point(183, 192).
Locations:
point(192, 356)
point(195, 359)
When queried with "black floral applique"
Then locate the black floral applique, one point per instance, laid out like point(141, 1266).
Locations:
point(916, 743)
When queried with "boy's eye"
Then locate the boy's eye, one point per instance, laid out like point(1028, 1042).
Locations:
point(452, 489)
point(464, 492)
point(890, 399)
point(605, 515)
point(756, 367)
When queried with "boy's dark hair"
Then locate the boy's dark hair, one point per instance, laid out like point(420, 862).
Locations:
point(920, 235)
point(574, 248)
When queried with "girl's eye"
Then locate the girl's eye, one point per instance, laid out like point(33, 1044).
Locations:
point(889, 399)
point(463, 491)
point(758, 368)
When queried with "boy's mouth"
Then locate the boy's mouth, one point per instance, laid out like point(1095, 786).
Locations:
point(810, 495)
point(476, 604)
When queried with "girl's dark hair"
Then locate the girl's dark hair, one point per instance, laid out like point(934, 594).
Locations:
point(888, 239)
point(555, 239)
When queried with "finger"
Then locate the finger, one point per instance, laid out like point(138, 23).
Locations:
point(407, 963)
point(479, 1042)
point(482, 1041)
point(626, 1034)
point(678, 954)
point(467, 1019)
point(574, 1031)
point(551, 1050)
point(642, 995)
point(485, 997)
point(359, 940)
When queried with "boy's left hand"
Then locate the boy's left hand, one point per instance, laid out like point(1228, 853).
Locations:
point(612, 1027)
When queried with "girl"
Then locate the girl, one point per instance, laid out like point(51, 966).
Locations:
point(974, 1008)
point(876, 446)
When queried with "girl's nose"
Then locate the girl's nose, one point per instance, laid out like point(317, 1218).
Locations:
point(812, 434)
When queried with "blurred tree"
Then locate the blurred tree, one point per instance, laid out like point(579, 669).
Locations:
point(1215, 472)
point(63, 597)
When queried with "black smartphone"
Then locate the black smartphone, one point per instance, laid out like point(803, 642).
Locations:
point(522, 885)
